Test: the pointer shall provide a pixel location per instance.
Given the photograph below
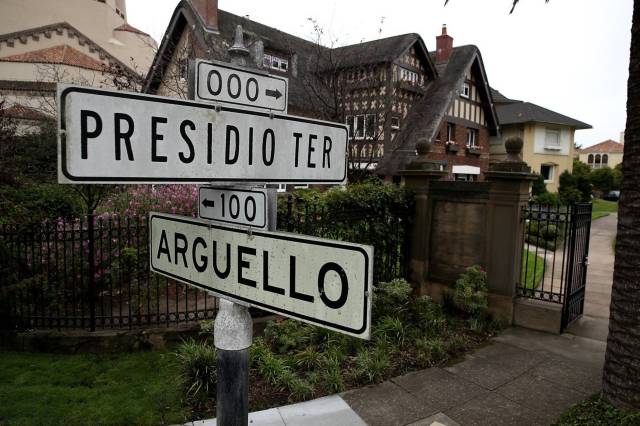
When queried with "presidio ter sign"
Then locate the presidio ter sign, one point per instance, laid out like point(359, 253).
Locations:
point(323, 282)
point(120, 137)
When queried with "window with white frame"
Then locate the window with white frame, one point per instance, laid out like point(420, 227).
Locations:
point(451, 132)
point(466, 90)
point(361, 126)
point(395, 123)
point(547, 172)
point(407, 75)
point(472, 138)
point(349, 123)
point(552, 138)
point(370, 126)
point(275, 62)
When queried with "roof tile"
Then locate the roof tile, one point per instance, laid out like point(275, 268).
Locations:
point(608, 146)
point(61, 54)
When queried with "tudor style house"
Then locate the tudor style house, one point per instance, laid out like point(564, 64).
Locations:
point(391, 92)
point(548, 137)
point(87, 42)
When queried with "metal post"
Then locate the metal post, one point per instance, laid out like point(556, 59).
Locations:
point(233, 327)
point(92, 278)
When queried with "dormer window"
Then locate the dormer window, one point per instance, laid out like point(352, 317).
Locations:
point(275, 62)
point(466, 90)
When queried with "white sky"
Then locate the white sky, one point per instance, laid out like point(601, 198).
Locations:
point(571, 56)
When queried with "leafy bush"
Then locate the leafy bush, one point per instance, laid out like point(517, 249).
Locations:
point(538, 187)
point(547, 198)
point(300, 361)
point(470, 294)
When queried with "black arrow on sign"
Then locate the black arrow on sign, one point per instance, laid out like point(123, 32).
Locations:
point(273, 93)
point(208, 203)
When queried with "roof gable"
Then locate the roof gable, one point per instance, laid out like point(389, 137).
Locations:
point(426, 116)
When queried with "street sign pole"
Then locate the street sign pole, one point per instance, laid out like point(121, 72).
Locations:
point(233, 329)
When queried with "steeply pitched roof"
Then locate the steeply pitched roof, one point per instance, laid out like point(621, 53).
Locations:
point(499, 98)
point(128, 28)
point(61, 55)
point(426, 116)
point(527, 112)
point(608, 146)
point(310, 56)
point(379, 51)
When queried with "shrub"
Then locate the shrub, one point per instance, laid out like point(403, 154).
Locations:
point(548, 198)
point(538, 186)
point(198, 365)
point(391, 298)
point(470, 294)
point(283, 336)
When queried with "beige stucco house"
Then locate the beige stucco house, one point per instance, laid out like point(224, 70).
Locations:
point(86, 42)
point(548, 137)
point(604, 154)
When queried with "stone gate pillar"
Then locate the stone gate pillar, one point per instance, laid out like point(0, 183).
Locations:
point(418, 176)
point(509, 193)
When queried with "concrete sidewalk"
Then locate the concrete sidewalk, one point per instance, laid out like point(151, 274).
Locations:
point(594, 324)
point(523, 377)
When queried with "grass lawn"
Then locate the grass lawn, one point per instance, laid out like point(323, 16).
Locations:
point(603, 208)
point(124, 389)
point(532, 269)
point(596, 412)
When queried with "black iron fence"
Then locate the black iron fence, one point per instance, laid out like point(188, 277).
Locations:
point(93, 272)
point(89, 273)
point(555, 244)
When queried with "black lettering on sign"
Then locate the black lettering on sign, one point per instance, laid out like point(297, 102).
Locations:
point(292, 283)
point(120, 135)
point(297, 136)
point(311, 149)
point(221, 274)
point(209, 143)
point(84, 133)
point(180, 249)
point(268, 160)
point(202, 266)
point(265, 275)
point(344, 292)
point(183, 132)
point(252, 216)
point(250, 145)
point(326, 149)
point(235, 78)
point(256, 90)
point(216, 74)
point(234, 204)
point(155, 138)
point(243, 264)
point(163, 247)
point(227, 158)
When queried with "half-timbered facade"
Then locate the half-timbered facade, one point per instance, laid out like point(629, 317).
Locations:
point(390, 92)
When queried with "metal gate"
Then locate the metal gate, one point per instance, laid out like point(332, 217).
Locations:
point(555, 251)
point(578, 256)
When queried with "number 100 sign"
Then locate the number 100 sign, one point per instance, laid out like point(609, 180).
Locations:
point(233, 205)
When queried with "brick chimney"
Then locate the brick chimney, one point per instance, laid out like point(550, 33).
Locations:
point(208, 11)
point(444, 46)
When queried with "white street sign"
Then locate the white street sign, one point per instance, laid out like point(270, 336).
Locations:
point(234, 205)
point(119, 137)
point(319, 281)
point(229, 84)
